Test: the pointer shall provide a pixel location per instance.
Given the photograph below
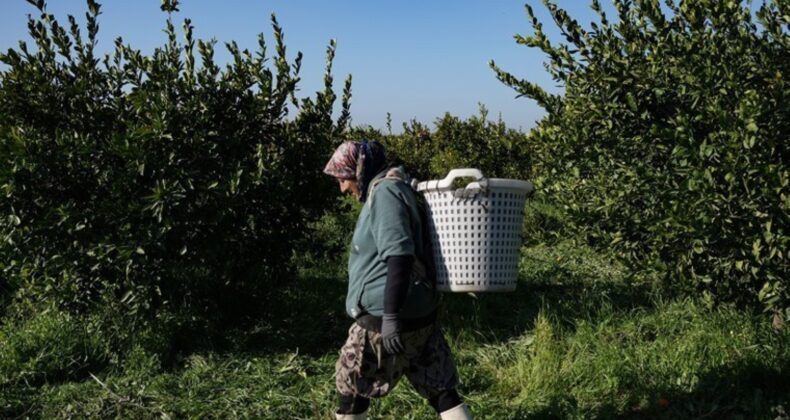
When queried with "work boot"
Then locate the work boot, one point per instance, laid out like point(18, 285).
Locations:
point(459, 412)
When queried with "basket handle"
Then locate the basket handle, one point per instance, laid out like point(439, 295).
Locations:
point(460, 173)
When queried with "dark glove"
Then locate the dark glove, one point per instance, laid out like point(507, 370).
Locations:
point(390, 334)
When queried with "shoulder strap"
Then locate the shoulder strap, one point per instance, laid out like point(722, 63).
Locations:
point(394, 174)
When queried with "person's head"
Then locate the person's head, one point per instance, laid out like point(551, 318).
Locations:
point(354, 164)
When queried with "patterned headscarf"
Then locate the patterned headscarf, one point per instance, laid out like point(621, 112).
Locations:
point(359, 160)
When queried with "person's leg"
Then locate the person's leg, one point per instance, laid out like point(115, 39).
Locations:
point(449, 405)
point(363, 372)
point(435, 377)
point(445, 400)
point(353, 407)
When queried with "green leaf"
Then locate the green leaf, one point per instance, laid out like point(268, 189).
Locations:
point(631, 102)
point(756, 248)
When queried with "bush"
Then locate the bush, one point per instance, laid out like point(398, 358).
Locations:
point(477, 142)
point(154, 183)
point(327, 242)
point(669, 144)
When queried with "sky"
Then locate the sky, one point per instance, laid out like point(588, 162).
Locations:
point(410, 58)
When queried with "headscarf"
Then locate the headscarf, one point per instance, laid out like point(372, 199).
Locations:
point(358, 160)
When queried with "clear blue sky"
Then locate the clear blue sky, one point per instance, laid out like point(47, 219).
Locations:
point(414, 59)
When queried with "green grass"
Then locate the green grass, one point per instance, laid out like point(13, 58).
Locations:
point(580, 338)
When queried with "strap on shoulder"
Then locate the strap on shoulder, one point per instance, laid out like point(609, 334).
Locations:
point(394, 174)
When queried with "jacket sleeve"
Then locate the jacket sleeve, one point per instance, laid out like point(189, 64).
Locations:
point(397, 287)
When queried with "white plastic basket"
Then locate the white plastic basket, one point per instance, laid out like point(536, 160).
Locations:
point(476, 231)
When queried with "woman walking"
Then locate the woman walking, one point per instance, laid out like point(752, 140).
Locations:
point(391, 296)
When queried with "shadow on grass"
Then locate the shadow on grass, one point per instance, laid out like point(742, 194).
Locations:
point(309, 315)
point(498, 317)
point(744, 391)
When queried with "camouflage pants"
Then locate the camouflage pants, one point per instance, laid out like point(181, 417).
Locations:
point(364, 369)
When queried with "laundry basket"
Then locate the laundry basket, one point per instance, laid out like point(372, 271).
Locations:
point(476, 231)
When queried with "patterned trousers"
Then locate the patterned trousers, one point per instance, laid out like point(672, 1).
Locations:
point(363, 368)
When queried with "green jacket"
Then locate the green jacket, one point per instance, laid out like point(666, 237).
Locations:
point(389, 225)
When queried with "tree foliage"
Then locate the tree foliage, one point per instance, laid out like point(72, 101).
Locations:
point(671, 141)
point(156, 184)
point(477, 142)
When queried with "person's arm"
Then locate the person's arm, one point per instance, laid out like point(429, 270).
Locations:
point(391, 229)
point(397, 287)
point(395, 291)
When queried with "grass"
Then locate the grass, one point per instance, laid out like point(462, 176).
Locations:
point(580, 338)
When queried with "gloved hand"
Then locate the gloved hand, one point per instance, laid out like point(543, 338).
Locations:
point(390, 334)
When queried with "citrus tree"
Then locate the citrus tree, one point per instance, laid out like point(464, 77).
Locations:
point(670, 142)
point(156, 184)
